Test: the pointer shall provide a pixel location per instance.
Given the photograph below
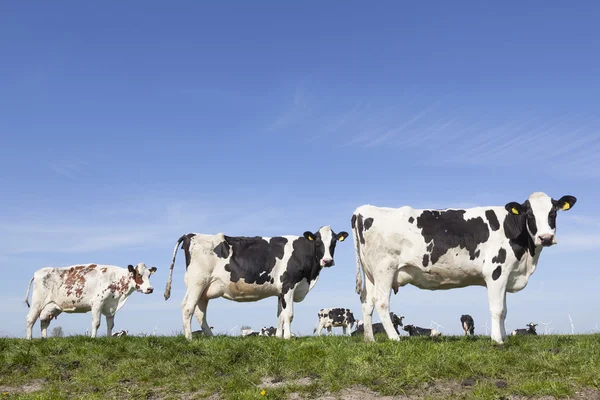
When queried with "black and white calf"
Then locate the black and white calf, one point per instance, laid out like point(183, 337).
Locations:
point(378, 327)
point(333, 318)
point(272, 331)
point(121, 333)
point(417, 331)
point(468, 324)
point(530, 330)
point(251, 269)
point(496, 247)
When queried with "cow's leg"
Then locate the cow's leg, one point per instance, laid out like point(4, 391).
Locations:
point(188, 306)
point(32, 316)
point(383, 288)
point(110, 324)
point(497, 302)
point(344, 329)
point(286, 316)
point(368, 303)
point(329, 330)
point(200, 314)
point(320, 327)
point(96, 315)
point(279, 331)
point(48, 312)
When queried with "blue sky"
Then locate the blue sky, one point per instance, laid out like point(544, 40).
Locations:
point(126, 125)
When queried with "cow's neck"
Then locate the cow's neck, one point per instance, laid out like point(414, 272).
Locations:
point(528, 251)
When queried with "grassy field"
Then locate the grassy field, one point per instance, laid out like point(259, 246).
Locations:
point(306, 367)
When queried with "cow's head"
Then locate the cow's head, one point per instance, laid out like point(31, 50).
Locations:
point(141, 275)
point(396, 320)
point(325, 240)
point(536, 217)
point(409, 328)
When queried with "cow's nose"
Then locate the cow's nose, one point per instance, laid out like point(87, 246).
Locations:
point(150, 290)
point(547, 240)
point(327, 262)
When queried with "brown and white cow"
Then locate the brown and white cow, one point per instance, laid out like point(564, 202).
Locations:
point(101, 289)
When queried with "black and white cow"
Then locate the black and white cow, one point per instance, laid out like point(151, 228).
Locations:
point(121, 333)
point(251, 269)
point(530, 330)
point(496, 247)
point(271, 331)
point(378, 327)
point(417, 331)
point(332, 318)
point(468, 324)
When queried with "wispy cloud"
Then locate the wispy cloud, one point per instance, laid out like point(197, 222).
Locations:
point(71, 169)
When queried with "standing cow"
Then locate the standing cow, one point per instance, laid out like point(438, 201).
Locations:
point(468, 324)
point(101, 289)
point(333, 318)
point(251, 269)
point(496, 247)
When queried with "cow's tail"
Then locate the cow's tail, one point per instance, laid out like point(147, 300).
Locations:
point(28, 289)
point(168, 287)
point(359, 282)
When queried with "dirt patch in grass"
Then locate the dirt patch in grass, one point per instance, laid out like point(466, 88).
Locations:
point(32, 386)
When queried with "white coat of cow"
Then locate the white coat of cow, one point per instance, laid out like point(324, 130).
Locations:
point(101, 289)
point(496, 247)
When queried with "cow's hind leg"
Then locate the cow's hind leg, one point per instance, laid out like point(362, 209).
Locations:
point(48, 312)
point(383, 287)
point(189, 304)
point(32, 316)
point(110, 324)
point(96, 315)
point(200, 313)
point(368, 303)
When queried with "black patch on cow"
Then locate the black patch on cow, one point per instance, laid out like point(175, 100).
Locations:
point(476, 255)
point(497, 272)
point(426, 260)
point(186, 239)
point(303, 264)
point(448, 230)
point(368, 223)
point(530, 218)
point(552, 218)
point(222, 250)
point(501, 257)
point(516, 231)
point(492, 220)
point(253, 258)
point(430, 247)
point(337, 315)
point(282, 300)
point(359, 228)
point(411, 220)
point(353, 221)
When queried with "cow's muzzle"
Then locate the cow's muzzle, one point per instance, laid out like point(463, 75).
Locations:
point(547, 240)
point(149, 290)
point(327, 262)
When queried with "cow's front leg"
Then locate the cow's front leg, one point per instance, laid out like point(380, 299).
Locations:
point(344, 329)
point(286, 316)
point(110, 324)
point(96, 315)
point(497, 302)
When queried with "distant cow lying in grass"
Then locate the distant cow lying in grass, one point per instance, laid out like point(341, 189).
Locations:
point(417, 331)
point(268, 331)
point(528, 331)
point(378, 327)
point(121, 333)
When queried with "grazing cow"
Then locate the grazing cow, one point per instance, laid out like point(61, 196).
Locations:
point(417, 331)
point(101, 289)
point(378, 327)
point(468, 324)
point(334, 317)
point(530, 330)
point(496, 247)
point(268, 331)
point(120, 333)
point(251, 269)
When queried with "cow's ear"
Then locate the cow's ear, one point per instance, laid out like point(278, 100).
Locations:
point(515, 208)
point(309, 235)
point(152, 270)
point(131, 268)
point(342, 236)
point(565, 203)
point(514, 224)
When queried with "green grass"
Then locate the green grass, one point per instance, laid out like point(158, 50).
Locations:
point(170, 367)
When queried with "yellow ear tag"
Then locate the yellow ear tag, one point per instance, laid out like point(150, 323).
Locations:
point(566, 206)
point(310, 238)
point(515, 211)
point(341, 238)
